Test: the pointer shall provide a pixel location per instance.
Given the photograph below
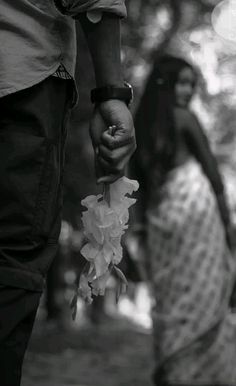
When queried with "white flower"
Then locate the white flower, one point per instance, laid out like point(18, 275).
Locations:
point(104, 224)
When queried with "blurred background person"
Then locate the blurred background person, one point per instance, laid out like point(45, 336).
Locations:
point(188, 233)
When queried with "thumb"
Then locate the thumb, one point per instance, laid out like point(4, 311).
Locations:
point(96, 128)
point(98, 169)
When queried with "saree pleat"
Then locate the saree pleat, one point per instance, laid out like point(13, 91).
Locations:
point(192, 277)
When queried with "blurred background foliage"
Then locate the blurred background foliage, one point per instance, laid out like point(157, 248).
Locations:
point(184, 27)
point(202, 31)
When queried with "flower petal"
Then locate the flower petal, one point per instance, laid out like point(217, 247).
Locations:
point(99, 284)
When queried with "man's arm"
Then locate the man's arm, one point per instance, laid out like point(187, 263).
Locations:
point(105, 47)
point(112, 152)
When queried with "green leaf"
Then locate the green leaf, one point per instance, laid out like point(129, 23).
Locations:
point(121, 275)
point(74, 312)
point(123, 288)
point(74, 300)
point(118, 292)
point(73, 305)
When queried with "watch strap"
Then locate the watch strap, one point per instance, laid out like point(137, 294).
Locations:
point(102, 94)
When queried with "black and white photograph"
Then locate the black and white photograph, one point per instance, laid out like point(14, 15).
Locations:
point(118, 193)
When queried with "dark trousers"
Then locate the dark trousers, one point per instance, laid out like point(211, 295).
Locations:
point(32, 140)
point(17, 313)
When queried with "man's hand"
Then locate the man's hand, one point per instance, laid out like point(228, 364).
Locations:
point(113, 148)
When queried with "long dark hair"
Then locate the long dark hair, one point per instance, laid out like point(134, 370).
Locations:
point(154, 121)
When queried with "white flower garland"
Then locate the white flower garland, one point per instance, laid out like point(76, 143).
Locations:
point(105, 221)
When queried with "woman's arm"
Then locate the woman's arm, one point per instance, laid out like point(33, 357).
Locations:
point(198, 144)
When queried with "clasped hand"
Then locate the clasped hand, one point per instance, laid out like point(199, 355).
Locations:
point(112, 150)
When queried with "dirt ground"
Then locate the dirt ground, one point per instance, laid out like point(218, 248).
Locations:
point(114, 353)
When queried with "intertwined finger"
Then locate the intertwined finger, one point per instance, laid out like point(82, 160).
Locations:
point(119, 139)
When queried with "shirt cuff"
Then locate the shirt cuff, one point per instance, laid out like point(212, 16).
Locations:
point(74, 7)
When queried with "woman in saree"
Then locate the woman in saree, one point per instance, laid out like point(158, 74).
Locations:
point(187, 225)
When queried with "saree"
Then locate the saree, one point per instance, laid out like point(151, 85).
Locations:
point(192, 278)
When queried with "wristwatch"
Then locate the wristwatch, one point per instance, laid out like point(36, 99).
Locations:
point(102, 94)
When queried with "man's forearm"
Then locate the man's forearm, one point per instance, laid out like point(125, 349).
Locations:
point(104, 44)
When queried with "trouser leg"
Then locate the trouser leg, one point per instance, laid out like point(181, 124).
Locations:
point(32, 139)
point(18, 308)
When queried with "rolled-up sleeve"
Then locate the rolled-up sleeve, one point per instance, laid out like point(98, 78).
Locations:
point(74, 7)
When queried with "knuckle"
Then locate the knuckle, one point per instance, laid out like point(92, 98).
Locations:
point(112, 158)
point(111, 144)
point(114, 169)
point(119, 168)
